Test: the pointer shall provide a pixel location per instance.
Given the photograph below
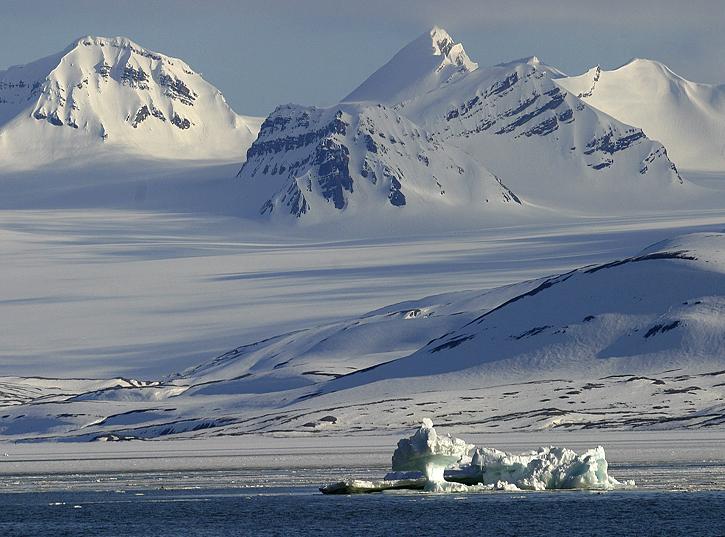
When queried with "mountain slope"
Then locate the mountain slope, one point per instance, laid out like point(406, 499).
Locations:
point(551, 147)
point(431, 60)
point(687, 117)
point(358, 158)
point(662, 309)
point(103, 93)
point(314, 355)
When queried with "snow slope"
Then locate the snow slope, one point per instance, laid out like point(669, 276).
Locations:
point(663, 309)
point(635, 343)
point(687, 117)
point(430, 61)
point(104, 95)
point(309, 356)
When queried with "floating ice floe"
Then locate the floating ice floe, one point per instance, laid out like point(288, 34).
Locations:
point(427, 461)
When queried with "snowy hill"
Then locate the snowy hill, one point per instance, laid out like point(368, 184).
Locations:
point(662, 309)
point(110, 94)
point(687, 117)
point(635, 343)
point(548, 146)
point(357, 158)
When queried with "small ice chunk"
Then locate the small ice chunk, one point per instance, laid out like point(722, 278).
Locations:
point(506, 486)
point(356, 486)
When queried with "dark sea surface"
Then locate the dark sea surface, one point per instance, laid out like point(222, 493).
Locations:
point(302, 510)
point(670, 499)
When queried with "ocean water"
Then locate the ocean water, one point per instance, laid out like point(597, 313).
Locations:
point(301, 510)
point(675, 498)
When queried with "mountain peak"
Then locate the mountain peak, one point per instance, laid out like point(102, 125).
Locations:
point(647, 65)
point(427, 62)
point(90, 40)
point(534, 61)
point(111, 90)
point(440, 40)
point(687, 117)
point(444, 45)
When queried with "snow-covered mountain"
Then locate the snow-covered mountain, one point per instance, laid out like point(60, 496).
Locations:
point(110, 93)
point(687, 117)
point(634, 343)
point(426, 128)
point(357, 158)
point(549, 145)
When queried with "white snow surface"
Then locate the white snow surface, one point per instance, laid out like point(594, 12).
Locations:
point(109, 96)
point(687, 117)
point(525, 213)
point(531, 356)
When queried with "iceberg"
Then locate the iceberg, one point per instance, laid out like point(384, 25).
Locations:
point(431, 454)
point(433, 463)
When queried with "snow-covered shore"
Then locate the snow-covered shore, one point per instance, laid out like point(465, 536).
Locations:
point(268, 452)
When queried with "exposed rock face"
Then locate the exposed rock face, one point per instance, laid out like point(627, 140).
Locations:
point(320, 159)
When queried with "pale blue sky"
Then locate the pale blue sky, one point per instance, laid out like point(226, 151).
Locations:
point(260, 54)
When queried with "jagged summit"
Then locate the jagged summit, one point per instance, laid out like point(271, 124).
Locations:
point(113, 91)
point(444, 45)
point(431, 60)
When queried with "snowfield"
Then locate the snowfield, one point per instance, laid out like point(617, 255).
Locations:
point(644, 349)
